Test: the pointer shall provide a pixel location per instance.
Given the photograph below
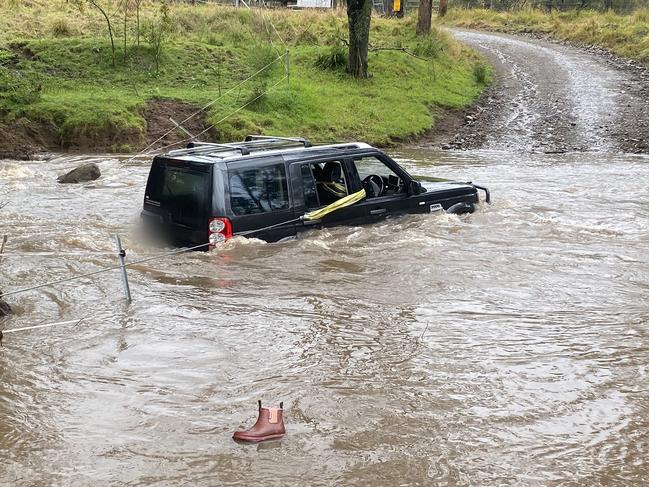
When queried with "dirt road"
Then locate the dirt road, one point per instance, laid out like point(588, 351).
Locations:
point(549, 97)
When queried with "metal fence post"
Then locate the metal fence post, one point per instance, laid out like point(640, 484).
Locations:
point(2, 247)
point(121, 253)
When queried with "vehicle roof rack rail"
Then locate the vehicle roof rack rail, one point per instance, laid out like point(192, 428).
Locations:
point(251, 142)
point(209, 148)
point(347, 145)
point(283, 140)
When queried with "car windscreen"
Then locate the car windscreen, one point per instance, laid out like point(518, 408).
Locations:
point(182, 190)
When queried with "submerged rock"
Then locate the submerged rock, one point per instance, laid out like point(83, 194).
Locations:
point(5, 309)
point(86, 172)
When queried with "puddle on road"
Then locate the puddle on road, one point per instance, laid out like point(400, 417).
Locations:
point(532, 368)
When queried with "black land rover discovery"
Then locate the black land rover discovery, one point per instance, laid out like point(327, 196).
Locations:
point(262, 187)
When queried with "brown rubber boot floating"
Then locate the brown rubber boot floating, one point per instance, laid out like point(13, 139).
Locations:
point(269, 426)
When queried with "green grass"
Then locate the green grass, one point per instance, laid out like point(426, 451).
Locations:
point(55, 69)
point(624, 35)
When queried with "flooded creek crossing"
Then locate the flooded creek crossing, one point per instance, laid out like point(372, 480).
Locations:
point(509, 346)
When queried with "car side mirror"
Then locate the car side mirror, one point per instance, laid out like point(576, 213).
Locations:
point(414, 187)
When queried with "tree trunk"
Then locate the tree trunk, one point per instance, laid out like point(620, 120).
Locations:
point(425, 13)
point(110, 28)
point(443, 5)
point(359, 13)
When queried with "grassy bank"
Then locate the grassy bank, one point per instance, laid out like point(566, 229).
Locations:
point(624, 35)
point(56, 73)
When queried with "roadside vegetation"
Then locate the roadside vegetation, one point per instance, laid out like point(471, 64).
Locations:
point(63, 75)
point(626, 35)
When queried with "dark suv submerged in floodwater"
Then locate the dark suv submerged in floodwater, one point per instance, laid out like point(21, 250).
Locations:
point(262, 187)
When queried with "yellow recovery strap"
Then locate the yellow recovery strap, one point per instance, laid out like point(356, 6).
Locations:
point(336, 205)
point(336, 189)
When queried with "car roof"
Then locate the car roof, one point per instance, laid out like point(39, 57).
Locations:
point(259, 147)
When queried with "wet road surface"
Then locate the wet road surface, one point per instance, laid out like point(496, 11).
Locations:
point(555, 98)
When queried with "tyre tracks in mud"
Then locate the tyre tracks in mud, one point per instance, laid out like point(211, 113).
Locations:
point(553, 98)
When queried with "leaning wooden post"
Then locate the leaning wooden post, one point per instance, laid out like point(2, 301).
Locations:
point(121, 253)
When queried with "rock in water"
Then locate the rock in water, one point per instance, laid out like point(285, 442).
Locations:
point(87, 172)
point(5, 309)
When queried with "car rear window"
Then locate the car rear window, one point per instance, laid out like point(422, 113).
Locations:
point(258, 189)
point(181, 189)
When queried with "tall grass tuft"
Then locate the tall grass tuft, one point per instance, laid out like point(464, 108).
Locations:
point(430, 46)
point(60, 27)
point(480, 73)
point(333, 58)
point(641, 15)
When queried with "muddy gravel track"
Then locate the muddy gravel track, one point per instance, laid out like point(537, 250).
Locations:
point(549, 97)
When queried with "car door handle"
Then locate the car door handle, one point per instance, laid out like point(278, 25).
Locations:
point(378, 211)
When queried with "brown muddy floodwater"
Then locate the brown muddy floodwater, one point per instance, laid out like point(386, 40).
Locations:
point(532, 369)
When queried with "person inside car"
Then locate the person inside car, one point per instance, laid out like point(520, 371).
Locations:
point(330, 182)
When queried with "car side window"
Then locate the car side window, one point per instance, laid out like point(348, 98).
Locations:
point(377, 178)
point(331, 184)
point(258, 189)
point(311, 200)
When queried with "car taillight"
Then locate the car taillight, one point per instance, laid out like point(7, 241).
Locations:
point(218, 230)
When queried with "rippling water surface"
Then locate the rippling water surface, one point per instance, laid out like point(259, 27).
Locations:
point(532, 367)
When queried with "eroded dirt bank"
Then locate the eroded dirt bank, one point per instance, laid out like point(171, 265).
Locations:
point(549, 97)
point(24, 139)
